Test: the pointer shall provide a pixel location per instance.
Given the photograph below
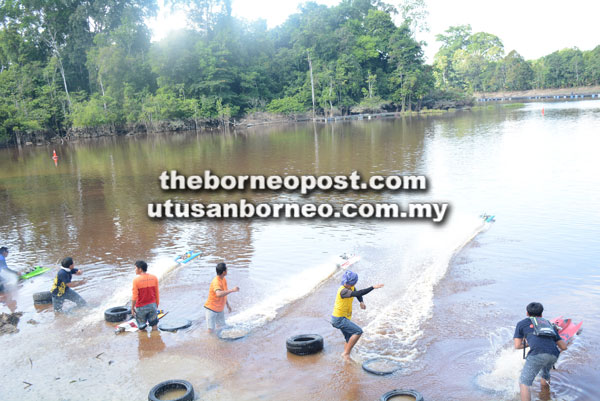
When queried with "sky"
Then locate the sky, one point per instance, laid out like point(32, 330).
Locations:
point(532, 27)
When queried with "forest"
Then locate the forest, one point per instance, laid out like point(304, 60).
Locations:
point(78, 64)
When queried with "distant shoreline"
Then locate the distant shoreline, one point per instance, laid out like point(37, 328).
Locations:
point(587, 91)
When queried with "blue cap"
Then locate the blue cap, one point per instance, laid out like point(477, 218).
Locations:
point(349, 278)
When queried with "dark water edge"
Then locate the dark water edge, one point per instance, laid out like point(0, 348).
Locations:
point(41, 138)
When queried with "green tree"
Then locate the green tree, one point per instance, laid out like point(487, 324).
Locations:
point(518, 73)
point(468, 61)
point(406, 55)
point(591, 61)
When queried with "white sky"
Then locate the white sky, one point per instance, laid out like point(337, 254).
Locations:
point(532, 27)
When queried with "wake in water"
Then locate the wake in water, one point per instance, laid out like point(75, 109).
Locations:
point(503, 365)
point(160, 268)
point(395, 326)
point(266, 310)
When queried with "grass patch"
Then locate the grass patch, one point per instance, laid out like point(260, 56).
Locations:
point(432, 111)
point(513, 105)
point(486, 107)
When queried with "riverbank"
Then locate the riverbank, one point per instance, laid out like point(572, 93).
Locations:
point(41, 138)
point(263, 118)
point(562, 93)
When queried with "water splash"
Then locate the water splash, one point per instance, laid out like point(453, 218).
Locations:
point(160, 268)
point(295, 288)
point(395, 326)
point(502, 365)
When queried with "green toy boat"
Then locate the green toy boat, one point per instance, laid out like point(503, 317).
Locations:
point(35, 272)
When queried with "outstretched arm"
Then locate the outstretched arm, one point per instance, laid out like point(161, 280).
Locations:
point(347, 293)
point(221, 293)
point(16, 273)
point(3, 266)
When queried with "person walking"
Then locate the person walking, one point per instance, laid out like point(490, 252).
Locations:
point(342, 310)
point(217, 299)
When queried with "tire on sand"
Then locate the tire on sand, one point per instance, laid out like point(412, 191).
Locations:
point(394, 393)
point(368, 366)
point(44, 297)
point(116, 314)
point(174, 324)
point(170, 385)
point(304, 344)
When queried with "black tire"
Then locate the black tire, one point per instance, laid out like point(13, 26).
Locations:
point(161, 388)
point(174, 324)
point(116, 314)
point(304, 344)
point(393, 393)
point(44, 297)
point(366, 366)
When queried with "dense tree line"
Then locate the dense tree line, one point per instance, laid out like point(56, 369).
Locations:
point(90, 63)
point(476, 62)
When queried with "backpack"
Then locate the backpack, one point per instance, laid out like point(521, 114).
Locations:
point(542, 327)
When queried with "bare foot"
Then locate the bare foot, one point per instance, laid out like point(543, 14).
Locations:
point(345, 357)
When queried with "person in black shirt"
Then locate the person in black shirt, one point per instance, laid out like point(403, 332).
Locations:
point(60, 289)
point(543, 353)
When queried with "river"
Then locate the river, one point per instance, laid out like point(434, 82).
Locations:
point(453, 292)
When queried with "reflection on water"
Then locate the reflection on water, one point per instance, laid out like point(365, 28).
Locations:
point(537, 174)
point(150, 343)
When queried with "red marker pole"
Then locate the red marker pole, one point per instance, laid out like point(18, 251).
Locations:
point(55, 157)
point(542, 111)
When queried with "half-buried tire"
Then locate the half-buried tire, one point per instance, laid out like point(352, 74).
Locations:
point(175, 390)
point(174, 324)
point(408, 395)
point(44, 297)
point(381, 366)
point(232, 333)
point(116, 314)
point(304, 344)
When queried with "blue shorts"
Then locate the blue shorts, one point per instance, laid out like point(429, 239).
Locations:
point(534, 364)
point(346, 326)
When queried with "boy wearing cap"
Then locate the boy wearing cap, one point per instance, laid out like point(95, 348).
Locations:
point(342, 310)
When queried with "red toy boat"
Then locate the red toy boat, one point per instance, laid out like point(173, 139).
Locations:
point(566, 328)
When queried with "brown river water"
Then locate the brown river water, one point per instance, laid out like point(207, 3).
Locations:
point(453, 291)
